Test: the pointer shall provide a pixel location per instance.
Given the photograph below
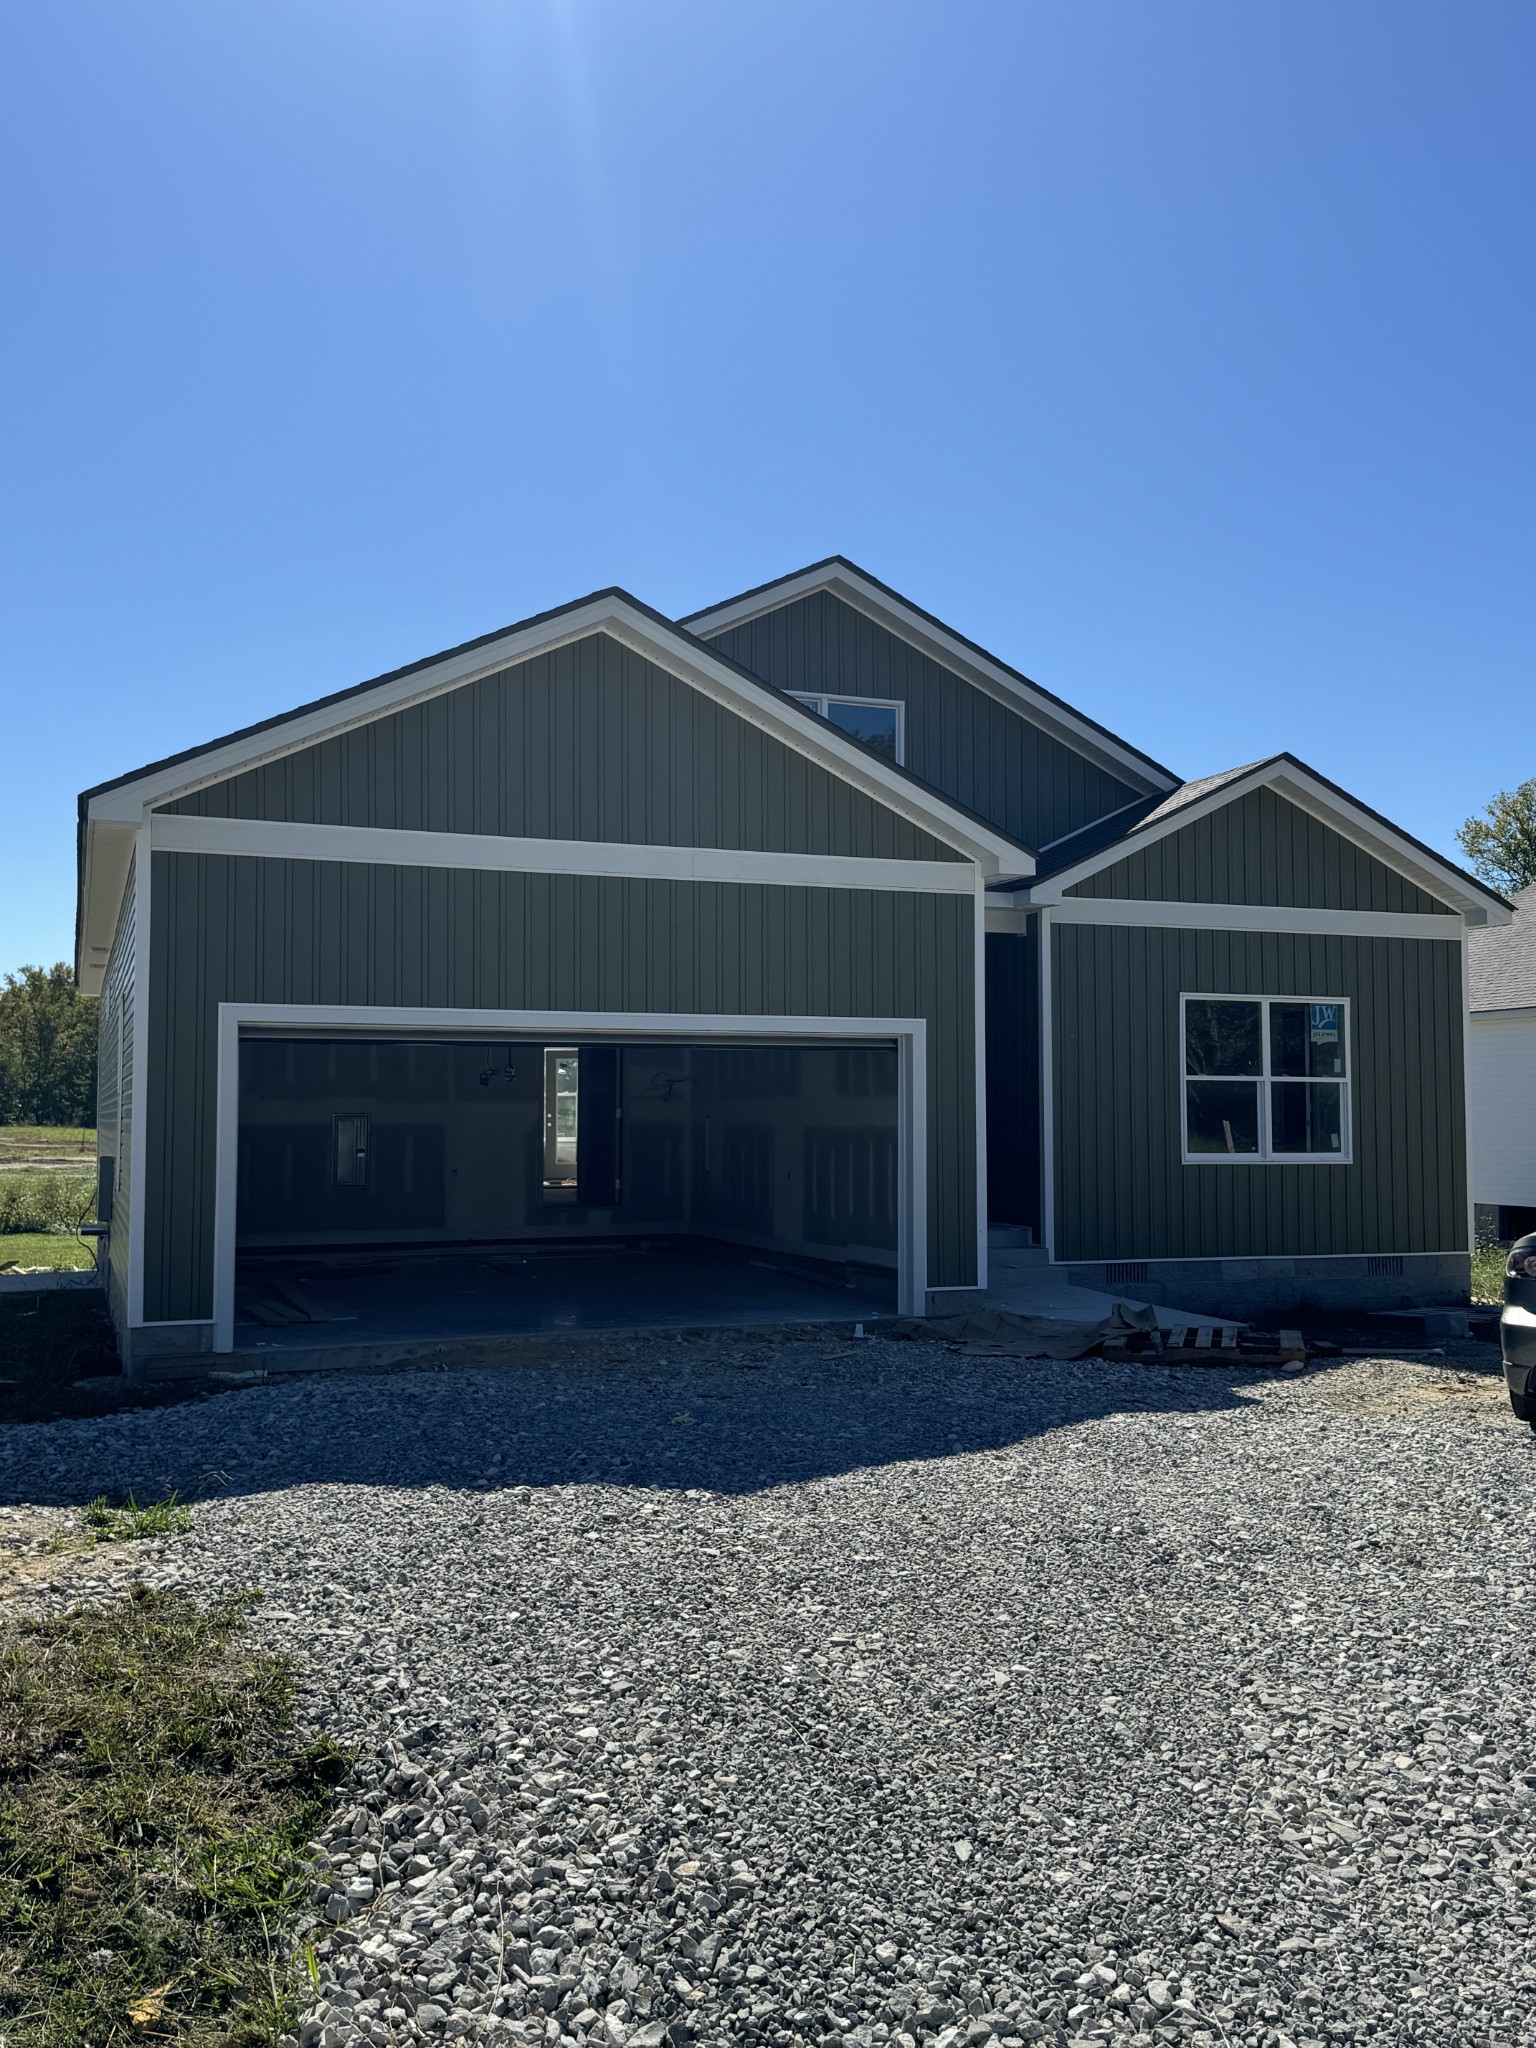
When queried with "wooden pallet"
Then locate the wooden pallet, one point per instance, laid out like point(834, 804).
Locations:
point(1188, 1345)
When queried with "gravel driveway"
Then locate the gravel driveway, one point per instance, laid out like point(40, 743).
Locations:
point(861, 1692)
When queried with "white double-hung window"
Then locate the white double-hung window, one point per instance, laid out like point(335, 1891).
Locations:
point(870, 719)
point(1265, 1078)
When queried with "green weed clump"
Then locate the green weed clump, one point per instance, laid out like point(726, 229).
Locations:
point(108, 1524)
point(1488, 1272)
point(41, 1200)
point(156, 1797)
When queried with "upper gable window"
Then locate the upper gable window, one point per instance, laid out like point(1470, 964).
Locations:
point(878, 723)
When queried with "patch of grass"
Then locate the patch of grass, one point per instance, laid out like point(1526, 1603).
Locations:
point(41, 1199)
point(108, 1524)
point(1488, 1272)
point(156, 1797)
point(51, 1250)
point(45, 1141)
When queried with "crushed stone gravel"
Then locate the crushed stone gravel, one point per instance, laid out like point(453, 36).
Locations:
point(861, 1693)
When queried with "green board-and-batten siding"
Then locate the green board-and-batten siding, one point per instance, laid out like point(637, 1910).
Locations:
point(1260, 848)
point(959, 739)
point(248, 930)
point(590, 741)
point(1121, 1189)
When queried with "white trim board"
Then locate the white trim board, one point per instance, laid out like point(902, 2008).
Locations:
point(1047, 1094)
point(979, 1092)
point(909, 1033)
point(1298, 785)
point(388, 847)
point(1467, 1121)
point(929, 636)
point(1256, 917)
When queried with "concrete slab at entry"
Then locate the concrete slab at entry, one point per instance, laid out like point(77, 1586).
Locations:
point(1025, 1283)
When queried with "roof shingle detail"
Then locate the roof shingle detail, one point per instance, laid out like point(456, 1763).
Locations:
point(1501, 958)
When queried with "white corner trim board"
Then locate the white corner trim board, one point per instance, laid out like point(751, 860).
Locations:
point(1258, 917)
point(979, 1021)
point(388, 847)
point(138, 1136)
point(910, 1035)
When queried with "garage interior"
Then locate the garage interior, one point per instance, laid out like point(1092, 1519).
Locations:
point(422, 1187)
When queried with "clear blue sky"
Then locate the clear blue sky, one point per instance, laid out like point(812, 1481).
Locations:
point(1182, 354)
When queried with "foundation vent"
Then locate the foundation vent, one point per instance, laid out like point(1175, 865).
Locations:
point(1128, 1274)
point(1385, 1266)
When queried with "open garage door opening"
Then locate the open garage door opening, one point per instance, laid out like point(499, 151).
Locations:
point(394, 1186)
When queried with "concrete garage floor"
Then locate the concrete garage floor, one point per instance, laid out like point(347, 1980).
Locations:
point(298, 1301)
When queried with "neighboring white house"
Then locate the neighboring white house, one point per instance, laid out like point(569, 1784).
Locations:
point(1501, 1070)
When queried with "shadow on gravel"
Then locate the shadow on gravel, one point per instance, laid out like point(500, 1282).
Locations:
point(667, 1421)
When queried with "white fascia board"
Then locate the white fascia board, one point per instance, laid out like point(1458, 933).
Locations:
point(1390, 847)
point(930, 638)
point(1514, 1014)
point(387, 847)
point(1258, 917)
point(326, 721)
point(1320, 802)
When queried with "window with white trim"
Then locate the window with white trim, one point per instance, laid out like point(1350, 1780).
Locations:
point(878, 723)
point(562, 1130)
point(1265, 1078)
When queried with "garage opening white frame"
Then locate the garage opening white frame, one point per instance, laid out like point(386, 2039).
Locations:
point(351, 1020)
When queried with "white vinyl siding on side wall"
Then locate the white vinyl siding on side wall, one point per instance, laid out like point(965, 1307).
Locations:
point(1501, 1085)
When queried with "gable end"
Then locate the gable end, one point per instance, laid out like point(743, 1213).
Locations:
point(589, 741)
point(1260, 849)
point(965, 742)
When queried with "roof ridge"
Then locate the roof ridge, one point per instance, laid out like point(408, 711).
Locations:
point(973, 647)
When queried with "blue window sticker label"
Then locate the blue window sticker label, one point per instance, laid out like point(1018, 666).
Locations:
point(1325, 1023)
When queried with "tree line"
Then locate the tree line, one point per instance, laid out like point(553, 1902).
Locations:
point(47, 1049)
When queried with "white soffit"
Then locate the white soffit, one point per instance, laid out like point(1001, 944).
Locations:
point(931, 637)
point(108, 864)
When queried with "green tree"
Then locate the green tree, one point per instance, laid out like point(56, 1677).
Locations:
point(1501, 844)
point(47, 1049)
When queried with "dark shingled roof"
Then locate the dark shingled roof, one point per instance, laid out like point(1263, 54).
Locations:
point(1105, 832)
point(1501, 958)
